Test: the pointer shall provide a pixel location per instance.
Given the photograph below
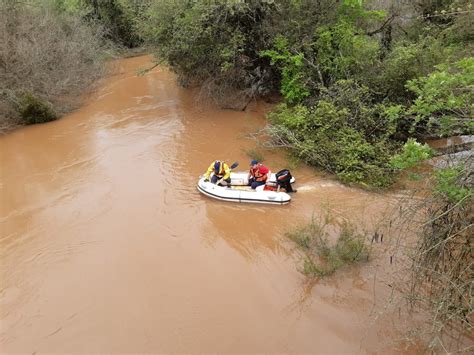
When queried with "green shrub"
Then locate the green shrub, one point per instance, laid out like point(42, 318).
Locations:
point(450, 185)
point(412, 154)
point(35, 110)
point(323, 258)
point(342, 53)
point(407, 61)
point(293, 85)
point(215, 44)
point(444, 98)
point(330, 51)
point(343, 133)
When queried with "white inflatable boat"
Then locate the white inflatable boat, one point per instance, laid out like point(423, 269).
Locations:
point(240, 192)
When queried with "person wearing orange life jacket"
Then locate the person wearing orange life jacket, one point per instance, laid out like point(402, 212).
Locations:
point(258, 174)
point(221, 172)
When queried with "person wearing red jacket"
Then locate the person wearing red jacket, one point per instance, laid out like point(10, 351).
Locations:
point(258, 174)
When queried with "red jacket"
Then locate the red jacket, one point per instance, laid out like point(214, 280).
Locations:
point(259, 173)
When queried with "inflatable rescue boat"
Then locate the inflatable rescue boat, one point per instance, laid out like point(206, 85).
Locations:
point(240, 192)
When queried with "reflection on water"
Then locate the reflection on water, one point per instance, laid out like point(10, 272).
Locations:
point(106, 245)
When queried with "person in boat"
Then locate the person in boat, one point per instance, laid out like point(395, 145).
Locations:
point(258, 174)
point(221, 173)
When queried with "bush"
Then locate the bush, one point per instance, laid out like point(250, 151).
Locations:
point(441, 275)
point(119, 18)
point(450, 185)
point(239, 45)
point(408, 60)
point(293, 85)
point(341, 52)
point(323, 258)
point(53, 56)
point(332, 51)
point(443, 104)
point(412, 154)
point(440, 263)
point(215, 44)
point(343, 133)
point(35, 110)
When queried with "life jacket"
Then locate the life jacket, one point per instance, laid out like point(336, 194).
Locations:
point(222, 168)
point(259, 173)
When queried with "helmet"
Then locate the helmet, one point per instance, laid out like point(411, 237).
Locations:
point(217, 166)
point(253, 162)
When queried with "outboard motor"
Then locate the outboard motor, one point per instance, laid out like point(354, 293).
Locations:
point(283, 178)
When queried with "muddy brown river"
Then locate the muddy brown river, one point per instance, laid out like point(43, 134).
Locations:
point(107, 246)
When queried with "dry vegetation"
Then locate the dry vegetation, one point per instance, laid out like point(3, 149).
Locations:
point(47, 58)
point(443, 268)
point(438, 275)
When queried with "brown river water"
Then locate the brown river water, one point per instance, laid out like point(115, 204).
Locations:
point(107, 246)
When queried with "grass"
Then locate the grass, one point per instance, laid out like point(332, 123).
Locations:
point(323, 258)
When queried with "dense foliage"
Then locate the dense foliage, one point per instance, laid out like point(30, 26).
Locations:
point(215, 44)
point(356, 81)
point(344, 132)
point(444, 98)
point(118, 18)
